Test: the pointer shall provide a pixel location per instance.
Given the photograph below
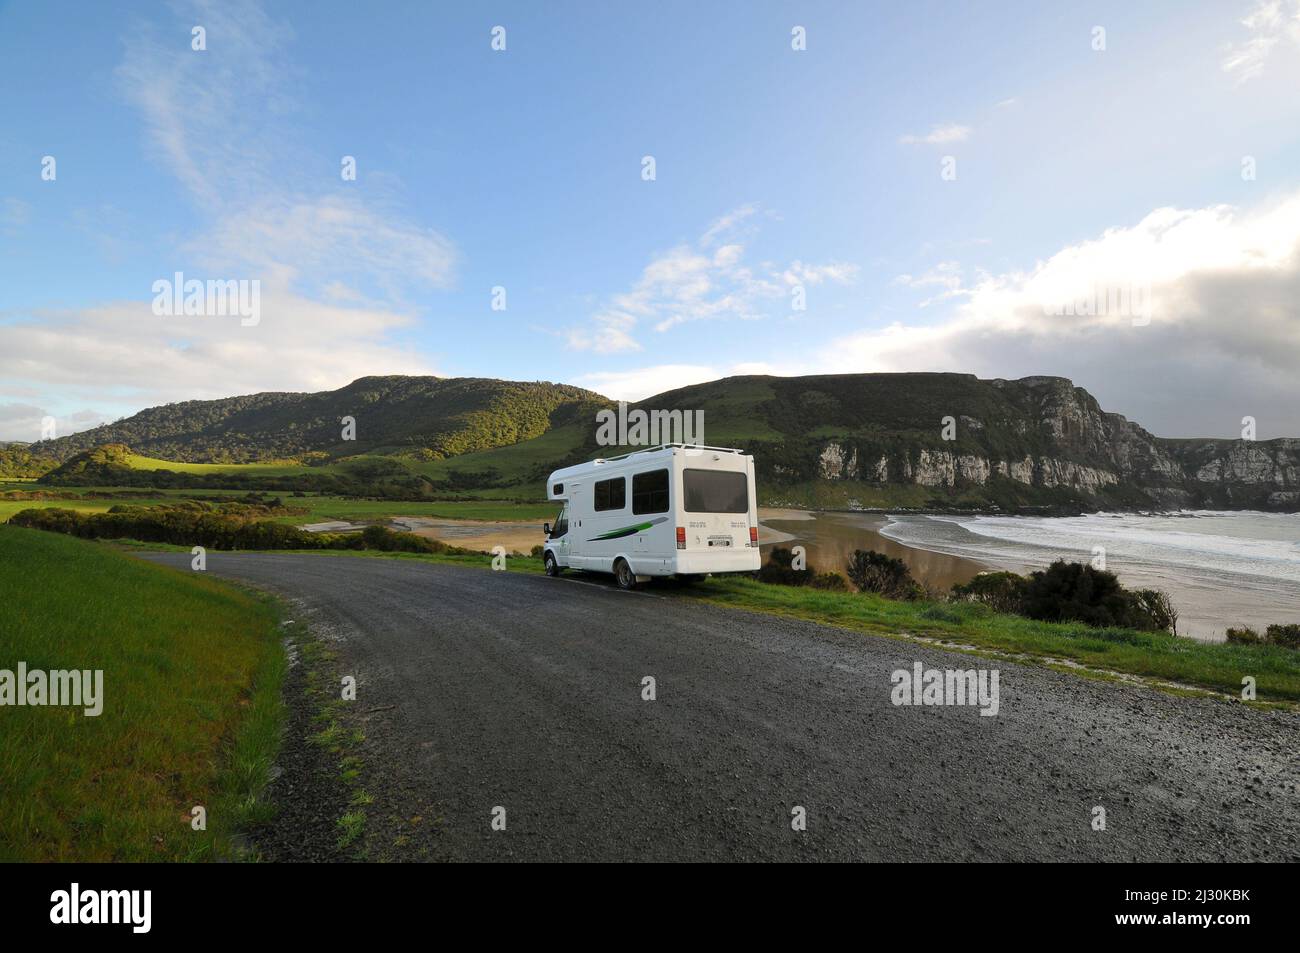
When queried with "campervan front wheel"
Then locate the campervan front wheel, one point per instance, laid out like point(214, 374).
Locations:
point(552, 567)
point(624, 575)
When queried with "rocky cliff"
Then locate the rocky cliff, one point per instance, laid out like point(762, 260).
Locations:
point(1082, 449)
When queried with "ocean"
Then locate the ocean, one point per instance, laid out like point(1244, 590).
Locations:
point(1221, 568)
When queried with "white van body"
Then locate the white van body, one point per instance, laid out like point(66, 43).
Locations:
point(670, 510)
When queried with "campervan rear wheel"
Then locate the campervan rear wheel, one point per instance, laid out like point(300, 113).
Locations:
point(552, 567)
point(624, 575)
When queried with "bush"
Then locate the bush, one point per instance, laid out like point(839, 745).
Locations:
point(217, 526)
point(1152, 610)
point(875, 572)
point(1000, 591)
point(1076, 592)
point(1244, 636)
point(1287, 636)
point(779, 569)
point(829, 581)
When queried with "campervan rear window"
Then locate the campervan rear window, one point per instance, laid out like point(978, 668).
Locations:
point(716, 491)
point(650, 492)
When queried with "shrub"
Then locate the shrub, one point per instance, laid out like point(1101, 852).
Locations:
point(537, 551)
point(1244, 636)
point(219, 526)
point(779, 569)
point(875, 572)
point(1000, 591)
point(1152, 610)
point(1287, 636)
point(829, 581)
point(1076, 592)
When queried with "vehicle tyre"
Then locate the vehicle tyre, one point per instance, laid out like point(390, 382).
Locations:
point(624, 575)
point(552, 567)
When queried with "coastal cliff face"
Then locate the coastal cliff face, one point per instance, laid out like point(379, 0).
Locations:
point(1066, 441)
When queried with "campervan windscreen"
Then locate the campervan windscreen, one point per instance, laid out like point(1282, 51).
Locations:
point(715, 491)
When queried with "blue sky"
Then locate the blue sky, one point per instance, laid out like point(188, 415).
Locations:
point(775, 169)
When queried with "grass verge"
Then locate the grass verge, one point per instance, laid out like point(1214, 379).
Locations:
point(192, 712)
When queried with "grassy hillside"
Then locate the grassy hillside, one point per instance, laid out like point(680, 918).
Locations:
point(191, 706)
point(837, 441)
point(427, 418)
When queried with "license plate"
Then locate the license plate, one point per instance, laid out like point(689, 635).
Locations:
point(719, 540)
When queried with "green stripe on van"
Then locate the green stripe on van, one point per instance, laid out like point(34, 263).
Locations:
point(629, 530)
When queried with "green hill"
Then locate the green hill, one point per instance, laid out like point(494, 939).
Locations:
point(850, 440)
point(427, 418)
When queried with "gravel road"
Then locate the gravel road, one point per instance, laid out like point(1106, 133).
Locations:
point(483, 689)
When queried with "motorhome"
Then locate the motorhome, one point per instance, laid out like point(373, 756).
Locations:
point(670, 510)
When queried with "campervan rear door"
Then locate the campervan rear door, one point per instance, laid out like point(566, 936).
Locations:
point(716, 502)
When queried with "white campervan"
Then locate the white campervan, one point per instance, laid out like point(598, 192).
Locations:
point(670, 510)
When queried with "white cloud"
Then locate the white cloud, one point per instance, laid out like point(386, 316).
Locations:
point(727, 224)
point(328, 241)
point(699, 281)
point(1270, 22)
point(1223, 338)
point(642, 382)
point(940, 135)
point(26, 422)
point(299, 344)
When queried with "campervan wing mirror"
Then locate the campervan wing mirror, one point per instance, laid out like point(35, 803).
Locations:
point(546, 529)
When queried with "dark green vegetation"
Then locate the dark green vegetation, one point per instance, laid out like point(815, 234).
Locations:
point(18, 460)
point(218, 526)
point(1064, 592)
point(191, 706)
point(425, 417)
point(1284, 636)
point(884, 575)
point(780, 570)
point(834, 441)
point(1072, 592)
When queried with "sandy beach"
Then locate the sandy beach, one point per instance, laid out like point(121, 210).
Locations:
point(831, 537)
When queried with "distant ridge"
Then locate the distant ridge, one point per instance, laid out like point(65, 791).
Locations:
point(842, 441)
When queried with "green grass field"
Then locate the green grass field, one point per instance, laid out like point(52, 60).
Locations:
point(191, 705)
point(269, 468)
point(320, 508)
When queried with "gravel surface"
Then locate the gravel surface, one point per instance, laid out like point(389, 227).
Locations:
point(480, 689)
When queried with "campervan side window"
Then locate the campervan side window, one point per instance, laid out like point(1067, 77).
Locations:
point(715, 491)
point(650, 492)
point(611, 494)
